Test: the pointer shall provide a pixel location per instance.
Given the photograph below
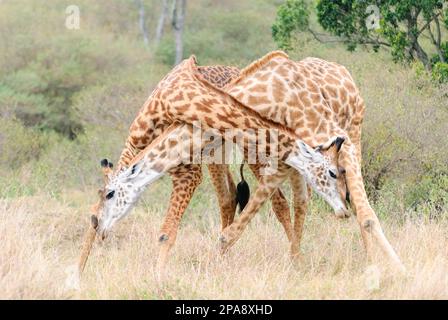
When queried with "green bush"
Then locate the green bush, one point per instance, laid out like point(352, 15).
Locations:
point(440, 72)
point(18, 144)
point(429, 194)
point(292, 16)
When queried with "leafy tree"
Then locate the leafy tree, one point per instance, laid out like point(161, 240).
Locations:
point(400, 25)
point(292, 16)
point(409, 28)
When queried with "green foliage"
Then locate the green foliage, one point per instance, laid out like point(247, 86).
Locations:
point(429, 195)
point(440, 72)
point(18, 144)
point(53, 82)
point(402, 25)
point(292, 16)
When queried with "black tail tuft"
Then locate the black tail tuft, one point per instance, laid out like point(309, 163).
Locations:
point(242, 191)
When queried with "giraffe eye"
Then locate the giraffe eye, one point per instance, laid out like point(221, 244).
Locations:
point(110, 195)
point(332, 174)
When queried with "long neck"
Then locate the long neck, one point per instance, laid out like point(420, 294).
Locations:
point(166, 152)
point(146, 127)
point(213, 109)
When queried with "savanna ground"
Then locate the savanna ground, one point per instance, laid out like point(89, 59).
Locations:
point(66, 101)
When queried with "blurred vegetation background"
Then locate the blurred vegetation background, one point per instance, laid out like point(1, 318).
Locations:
point(67, 97)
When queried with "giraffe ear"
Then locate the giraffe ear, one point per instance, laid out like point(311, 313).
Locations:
point(333, 142)
point(338, 143)
point(306, 150)
point(133, 171)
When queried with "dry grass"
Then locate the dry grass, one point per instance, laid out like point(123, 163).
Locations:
point(41, 237)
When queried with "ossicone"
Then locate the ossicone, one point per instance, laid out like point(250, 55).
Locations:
point(106, 164)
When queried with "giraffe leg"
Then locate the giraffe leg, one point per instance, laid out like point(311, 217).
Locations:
point(265, 189)
point(371, 230)
point(225, 191)
point(185, 181)
point(301, 195)
point(279, 205)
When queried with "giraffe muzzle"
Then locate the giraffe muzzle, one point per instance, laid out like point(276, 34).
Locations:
point(342, 213)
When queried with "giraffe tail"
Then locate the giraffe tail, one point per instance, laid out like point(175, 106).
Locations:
point(242, 191)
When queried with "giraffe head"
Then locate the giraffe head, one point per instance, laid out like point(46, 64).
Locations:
point(330, 151)
point(121, 191)
point(319, 167)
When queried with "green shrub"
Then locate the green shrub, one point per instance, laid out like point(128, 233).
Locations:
point(429, 194)
point(440, 72)
point(18, 144)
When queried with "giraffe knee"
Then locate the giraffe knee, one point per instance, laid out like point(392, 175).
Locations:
point(368, 225)
point(163, 238)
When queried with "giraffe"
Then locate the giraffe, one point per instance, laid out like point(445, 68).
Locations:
point(153, 118)
point(186, 178)
point(316, 99)
point(124, 187)
point(185, 96)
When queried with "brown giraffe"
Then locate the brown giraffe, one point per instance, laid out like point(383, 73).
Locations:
point(175, 103)
point(316, 99)
point(184, 87)
point(186, 178)
point(153, 118)
point(167, 152)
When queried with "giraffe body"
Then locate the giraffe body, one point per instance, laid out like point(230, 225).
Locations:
point(167, 152)
point(316, 99)
point(168, 103)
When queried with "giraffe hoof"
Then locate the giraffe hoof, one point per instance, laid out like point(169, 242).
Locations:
point(222, 239)
point(163, 238)
point(342, 214)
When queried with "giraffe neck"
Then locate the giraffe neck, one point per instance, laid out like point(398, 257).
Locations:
point(166, 152)
point(153, 119)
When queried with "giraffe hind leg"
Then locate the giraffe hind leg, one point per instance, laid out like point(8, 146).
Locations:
point(265, 189)
point(225, 191)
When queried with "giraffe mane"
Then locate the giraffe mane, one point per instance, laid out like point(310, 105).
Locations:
point(143, 152)
point(192, 66)
point(257, 65)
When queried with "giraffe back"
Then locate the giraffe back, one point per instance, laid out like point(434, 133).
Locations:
point(314, 97)
point(153, 117)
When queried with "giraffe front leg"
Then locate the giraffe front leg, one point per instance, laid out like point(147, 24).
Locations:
point(268, 184)
point(225, 191)
point(301, 195)
point(369, 224)
point(185, 181)
point(279, 205)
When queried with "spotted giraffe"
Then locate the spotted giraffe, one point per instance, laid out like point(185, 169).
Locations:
point(317, 99)
point(167, 99)
point(184, 95)
point(167, 152)
point(150, 122)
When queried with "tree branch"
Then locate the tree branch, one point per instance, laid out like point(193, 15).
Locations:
point(318, 37)
point(161, 22)
point(142, 22)
point(428, 23)
point(321, 40)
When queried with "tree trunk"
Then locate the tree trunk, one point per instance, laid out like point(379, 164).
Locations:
point(178, 25)
point(142, 22)
point(161, 23)
point(414, 45)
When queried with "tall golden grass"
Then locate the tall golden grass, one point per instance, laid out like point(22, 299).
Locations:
point(41, 237)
